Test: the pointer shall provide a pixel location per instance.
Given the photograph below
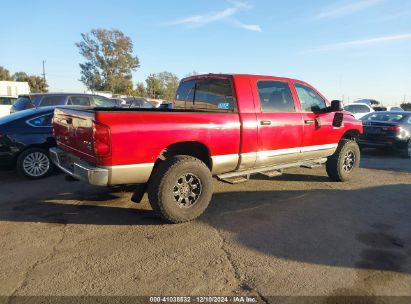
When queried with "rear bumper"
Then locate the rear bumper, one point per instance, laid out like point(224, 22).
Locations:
point(78, 168)
point(100, 176)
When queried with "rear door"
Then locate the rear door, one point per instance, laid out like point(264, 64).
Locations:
point(279, 123)
point(320, 137)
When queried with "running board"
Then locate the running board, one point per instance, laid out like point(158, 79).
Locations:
point(243, 176)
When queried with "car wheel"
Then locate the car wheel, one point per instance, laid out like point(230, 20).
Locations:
point(341, 165)
point(180, 189)
point(34, 163)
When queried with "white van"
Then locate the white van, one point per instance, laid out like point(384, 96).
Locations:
point(5, 104)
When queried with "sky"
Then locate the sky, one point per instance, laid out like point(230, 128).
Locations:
point(347, 49)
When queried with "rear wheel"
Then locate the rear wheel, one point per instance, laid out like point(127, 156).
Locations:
point(34, 163)
point(341, 165)
point(180, 189)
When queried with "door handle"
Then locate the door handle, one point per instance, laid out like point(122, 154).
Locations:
point(265, 122)
point(309, 121)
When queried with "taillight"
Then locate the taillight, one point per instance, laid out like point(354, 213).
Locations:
point(392, 128)
point(102, 140)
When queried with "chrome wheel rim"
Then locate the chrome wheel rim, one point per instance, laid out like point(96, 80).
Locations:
point(187, 190)
point(349, 161)
point(36, 164)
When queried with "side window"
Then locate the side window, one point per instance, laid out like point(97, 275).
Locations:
point(41, 121)
point(79, 101)
point(185, 93)
point(52, 101)
point(275, 96)
point(309, 99)
point(206, 94)
point(103, 102)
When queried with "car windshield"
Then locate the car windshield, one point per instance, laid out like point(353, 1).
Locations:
point(383, 116)
point(23, 102)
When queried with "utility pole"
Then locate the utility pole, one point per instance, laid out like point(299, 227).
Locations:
point(44, 71)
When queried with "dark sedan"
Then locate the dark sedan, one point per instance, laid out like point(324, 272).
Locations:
point(25, 138)
point(387, 129)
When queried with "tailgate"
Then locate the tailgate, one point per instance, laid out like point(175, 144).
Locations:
point(73, 130)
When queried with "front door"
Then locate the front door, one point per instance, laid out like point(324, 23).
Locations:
point(279, 124)
point(320, 138)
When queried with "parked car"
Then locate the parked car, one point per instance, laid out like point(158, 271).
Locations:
point(358, 109)
point(388, 108)
point(138, 102)
point(28, 101)
point(229, 126)
point(370, 102)
point(387, 129)
point(25, 138)
point(5, 104)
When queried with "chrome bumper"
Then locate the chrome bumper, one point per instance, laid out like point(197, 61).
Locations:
point(79, 169)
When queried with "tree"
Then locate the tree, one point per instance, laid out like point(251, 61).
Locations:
point(140, 90)
point(109, 60)
point(162, 85)
point(5, 74)
point(406, 106)
point(37, 84)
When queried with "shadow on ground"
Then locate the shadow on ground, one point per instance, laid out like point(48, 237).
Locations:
point(323, 227)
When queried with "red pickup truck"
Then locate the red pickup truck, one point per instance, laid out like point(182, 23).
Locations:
point(228, 126)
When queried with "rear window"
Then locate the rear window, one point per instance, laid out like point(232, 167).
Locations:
point(205, 94)
point(390, 117)
point(22, 103)
point(53, 101)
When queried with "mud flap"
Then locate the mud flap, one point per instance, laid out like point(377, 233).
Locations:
point(139, 193)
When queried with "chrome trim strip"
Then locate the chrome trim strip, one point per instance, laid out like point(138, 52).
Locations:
point(271, 153)
point(319, 147)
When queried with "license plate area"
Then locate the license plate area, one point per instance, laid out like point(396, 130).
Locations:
point(372, 131)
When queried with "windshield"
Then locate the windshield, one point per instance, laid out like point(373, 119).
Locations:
point(22, 103)
point(385, 117)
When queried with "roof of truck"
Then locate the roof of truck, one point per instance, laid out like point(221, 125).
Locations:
point(242, 75)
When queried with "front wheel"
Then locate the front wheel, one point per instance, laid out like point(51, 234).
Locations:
point(180, 188)
point(341, 165)
point(34, 163)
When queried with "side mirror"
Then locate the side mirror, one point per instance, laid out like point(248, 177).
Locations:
point(336, 106)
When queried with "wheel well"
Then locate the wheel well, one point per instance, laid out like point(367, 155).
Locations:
point(190, 148)
point(352, 135)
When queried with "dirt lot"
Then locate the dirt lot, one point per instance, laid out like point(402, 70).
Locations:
point(299, 234)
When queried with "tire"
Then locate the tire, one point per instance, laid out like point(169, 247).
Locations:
point(342, 164)
point(34, 163)
point(406, 152)
point(171, 182)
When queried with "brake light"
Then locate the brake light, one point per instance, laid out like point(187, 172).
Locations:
point(102, 140)
point(392, 128)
